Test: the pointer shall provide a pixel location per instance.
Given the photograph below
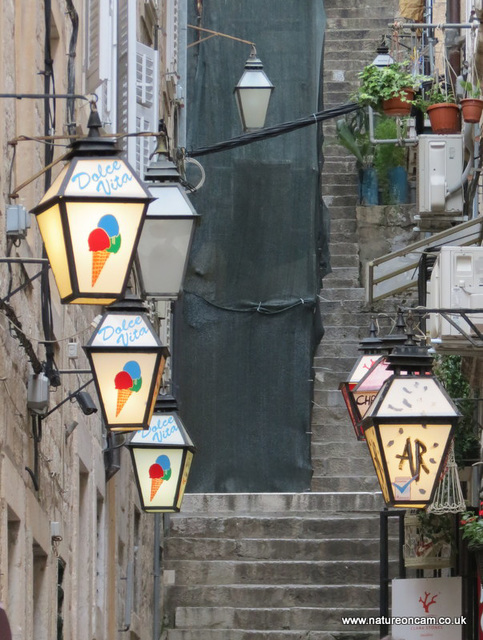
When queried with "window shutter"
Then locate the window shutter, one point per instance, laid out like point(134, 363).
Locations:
point(146, 102)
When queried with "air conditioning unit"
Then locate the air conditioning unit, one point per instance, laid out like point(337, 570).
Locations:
point(440, 170)
point(456, 283)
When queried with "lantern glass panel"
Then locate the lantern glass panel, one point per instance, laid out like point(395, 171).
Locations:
point(413, 455)
point(55, 186)
point(125, 385)
point(253, 106)
point(421, 396)
point(103, 177)
point(159, 471)
point(374, 450)
point(363, 365)
point(50, 225)
point(184, 478)
point(101, 254)
point(163, 251)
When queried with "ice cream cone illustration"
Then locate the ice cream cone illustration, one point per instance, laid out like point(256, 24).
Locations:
point(155, 484)
point(122, 398)
point(103, 241)
point(127, 381)
point(159, 472)
point(99, 259)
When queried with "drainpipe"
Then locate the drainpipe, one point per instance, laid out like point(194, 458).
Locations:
point(453, 15)
point(157, 577)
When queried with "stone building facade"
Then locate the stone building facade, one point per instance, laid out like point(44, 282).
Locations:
point(76, 551)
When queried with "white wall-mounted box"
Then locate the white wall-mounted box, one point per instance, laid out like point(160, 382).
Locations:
point(440, 169)
point(456, 283)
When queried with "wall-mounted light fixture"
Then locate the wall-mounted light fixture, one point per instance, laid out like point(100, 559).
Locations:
point(168, 229)
point(127, 360)
point(408, 429)
point(161, 459)
point(253, 91)
point(91, 219)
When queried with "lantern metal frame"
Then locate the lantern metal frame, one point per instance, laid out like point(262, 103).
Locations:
point(412, 397)
point(95, 148)
point(131, 306)
point(170, 205)
point(257, 80)
point(166, 407)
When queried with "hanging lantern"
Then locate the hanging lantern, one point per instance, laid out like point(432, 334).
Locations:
point(253, 93)
point(371, 348)
point(161, 459)
point(168, 230)
point(408, 429)
point(90, 220)
point(127, 361)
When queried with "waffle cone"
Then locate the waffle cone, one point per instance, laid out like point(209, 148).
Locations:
point(99, 259)
point(122, 397)
point(155, 484)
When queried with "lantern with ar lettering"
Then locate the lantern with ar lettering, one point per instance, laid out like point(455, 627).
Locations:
point(127, 360)
point(91, 219)
point(162, 458)
point(409, 428)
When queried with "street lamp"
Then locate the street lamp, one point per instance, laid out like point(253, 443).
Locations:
point(168, 229)
point(90, 220)
point(253, 93)
point(371, 347)
point(127, 361)
point(161, 459)
point(408, 429)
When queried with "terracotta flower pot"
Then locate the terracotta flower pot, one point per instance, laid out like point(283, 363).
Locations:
point(396, 106)
point(444, 118)
point(471, 109)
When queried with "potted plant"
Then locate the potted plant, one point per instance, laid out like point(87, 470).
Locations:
point(440, 105)
point(471, 104)
point(472, 527)
point(352, 133)
point(388, 89)
point(390, 161)
point(428, 540)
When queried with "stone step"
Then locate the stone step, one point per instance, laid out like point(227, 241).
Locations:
point(277, 572)
point(240, 634)
point(331, 294)
point(344, 249)
point(231, 549)
point(265, 618)
point(272, 596)
point(353, 450)
point(276, 503)
point(343, 226)
point(336, 466)
point(312, 525)
point(344, 483)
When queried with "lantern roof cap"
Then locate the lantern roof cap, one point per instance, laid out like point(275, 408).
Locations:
point(165, 402)
point(94, 143)
point(130, 303)
point(372, 343)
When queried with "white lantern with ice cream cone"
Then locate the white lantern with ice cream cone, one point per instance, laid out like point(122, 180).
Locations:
point(127, 360)
point(161, 458)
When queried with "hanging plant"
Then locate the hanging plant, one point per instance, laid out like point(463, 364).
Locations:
point(467, 436)
point(471, 104)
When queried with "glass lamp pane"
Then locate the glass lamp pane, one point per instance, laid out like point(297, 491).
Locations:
point(103, 237)
point(163, 251)
point(374, 450)
point(413, 455)
point(103, 177)
point(158, 472)
point(50, 225)
point(125, 385)
point(364, 364)
point(253, 106)
point(184, 478)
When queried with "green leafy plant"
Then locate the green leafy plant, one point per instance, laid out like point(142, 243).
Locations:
point(387, 156)
point(438, 93)
point(471, 90)
point(466, 441)
point(436, 527)
point(472, 527)
point(382, 83)
point(352, 133)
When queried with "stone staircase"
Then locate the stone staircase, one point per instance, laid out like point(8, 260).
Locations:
point(262, 566)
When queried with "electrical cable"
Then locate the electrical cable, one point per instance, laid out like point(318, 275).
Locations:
point(272, 132)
